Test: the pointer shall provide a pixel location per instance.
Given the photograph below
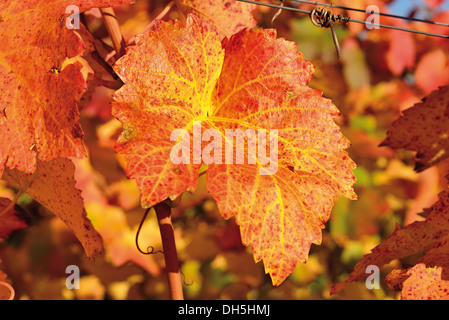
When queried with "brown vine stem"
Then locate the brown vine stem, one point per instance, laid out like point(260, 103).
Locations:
point(113, 28)
point(99, 59)
point(163, 213)
point(115, 84)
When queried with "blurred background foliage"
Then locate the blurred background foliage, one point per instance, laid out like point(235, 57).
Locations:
point(375, 79)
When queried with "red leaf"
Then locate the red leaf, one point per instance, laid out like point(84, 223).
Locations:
point(430, 236)
point(401, 53)
point(433, 3)
point(11, 220)
point(423, 128)
point(432, 71)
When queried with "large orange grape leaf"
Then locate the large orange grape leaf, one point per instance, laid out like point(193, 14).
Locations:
point(176, 76)
point(423, 128)
point(39, 91)
point(430, 236)
point(228, 16)
point(53, 186)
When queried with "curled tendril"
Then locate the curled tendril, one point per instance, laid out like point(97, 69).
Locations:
point(277, 13)
point(150, 249)
point(184, 280)
point(323, 18)
point(10, 288)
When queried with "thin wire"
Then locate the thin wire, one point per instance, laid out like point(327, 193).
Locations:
point(349, 19)
point(364, 11)
point(402, 29)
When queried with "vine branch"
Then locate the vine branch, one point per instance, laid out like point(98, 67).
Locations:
point(163, 213)
point(113, 28)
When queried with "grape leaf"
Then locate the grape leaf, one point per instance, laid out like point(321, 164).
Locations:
point(228, 16)
point(402, 51)
point(430, 236)
point(423, 128)
point(425, 284)
point(40, 89)
point(419, 283)
point(52, 185)
point(431, 71)
point(395, 279)
point(11, 220)
point(177, 75)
